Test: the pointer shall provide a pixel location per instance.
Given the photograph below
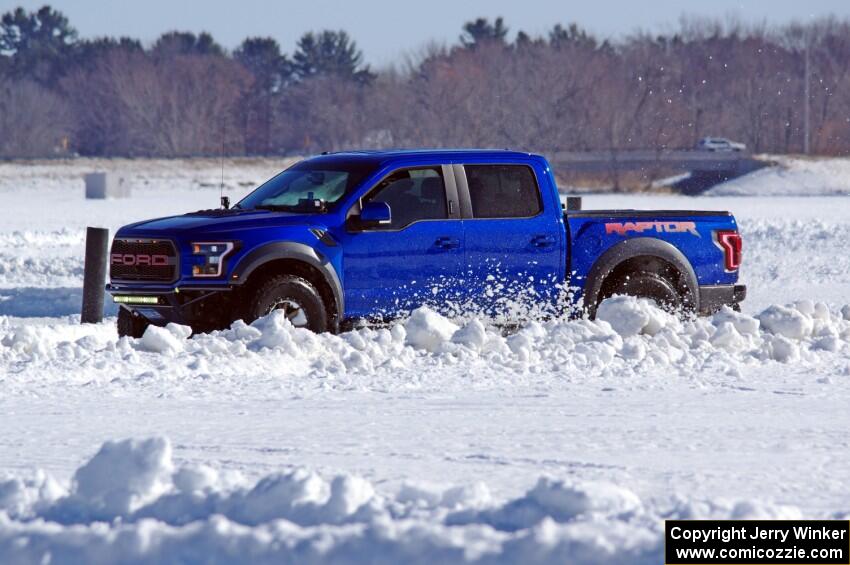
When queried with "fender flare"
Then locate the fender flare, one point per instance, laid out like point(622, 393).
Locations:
point(295, 251)
point(628, 249)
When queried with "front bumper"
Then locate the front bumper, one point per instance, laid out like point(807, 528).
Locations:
point(713, 297)
point(180, 305)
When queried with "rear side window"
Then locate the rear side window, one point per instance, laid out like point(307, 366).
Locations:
point(503, 191)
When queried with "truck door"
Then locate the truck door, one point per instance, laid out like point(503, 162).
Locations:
point(514, 246)
point(414, 259)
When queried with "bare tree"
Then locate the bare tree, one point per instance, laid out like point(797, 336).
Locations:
point(322, 113)
point(176, 106)
point(34, 121)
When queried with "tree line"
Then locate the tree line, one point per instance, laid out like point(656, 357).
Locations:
point(777, 88)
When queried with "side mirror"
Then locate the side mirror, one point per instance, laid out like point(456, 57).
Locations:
point(375, 214)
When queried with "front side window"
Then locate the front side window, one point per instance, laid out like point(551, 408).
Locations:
point(412, 195)
point(503, 191)
point(307, 187)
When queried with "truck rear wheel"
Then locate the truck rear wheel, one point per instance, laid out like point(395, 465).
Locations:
point(647, 284)
point(300, 301)
point(130, 325)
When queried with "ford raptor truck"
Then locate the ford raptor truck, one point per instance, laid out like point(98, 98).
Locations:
point(347, 238)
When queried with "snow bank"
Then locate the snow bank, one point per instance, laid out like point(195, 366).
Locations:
point(425, 329)
point(120, 478)
point(630, 336)
point(556, 500)
point(132, 503)
point(788, 322)
point(631, 317)
point(792, 176)
point(164, 340)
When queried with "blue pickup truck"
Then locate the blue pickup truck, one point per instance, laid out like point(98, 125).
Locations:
point(348, 238)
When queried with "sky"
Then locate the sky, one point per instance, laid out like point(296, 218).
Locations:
point(389, 30)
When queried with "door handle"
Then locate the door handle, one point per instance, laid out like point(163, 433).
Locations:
point(543, 241)
point(447, 243)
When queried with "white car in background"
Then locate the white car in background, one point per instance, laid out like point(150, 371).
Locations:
point(720, 144)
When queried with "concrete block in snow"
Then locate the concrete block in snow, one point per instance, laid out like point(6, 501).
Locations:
point(106, 185)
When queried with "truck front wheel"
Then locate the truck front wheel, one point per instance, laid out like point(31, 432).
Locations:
point(299, 300)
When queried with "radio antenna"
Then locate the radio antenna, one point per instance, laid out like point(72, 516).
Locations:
point(225, 202)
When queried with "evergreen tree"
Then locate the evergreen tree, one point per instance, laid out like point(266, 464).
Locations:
point(271, 70)
point(572, 35)
point(262, 57)
point(525, 41)
point(482, 31)
point(88, 51)
point(186, 43)
point(38, 43)
point(329, 52)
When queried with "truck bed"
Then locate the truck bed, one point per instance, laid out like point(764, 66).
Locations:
point(599, 240)
point(618, 213)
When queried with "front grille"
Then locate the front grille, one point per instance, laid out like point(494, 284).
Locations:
point(143, 260)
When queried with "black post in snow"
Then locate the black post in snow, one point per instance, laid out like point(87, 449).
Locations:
point(94, 279)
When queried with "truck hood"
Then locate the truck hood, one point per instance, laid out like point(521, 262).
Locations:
point(216, 222)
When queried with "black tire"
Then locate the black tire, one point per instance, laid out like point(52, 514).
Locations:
point(648, 284)
point(130, 325)
point(296, 296)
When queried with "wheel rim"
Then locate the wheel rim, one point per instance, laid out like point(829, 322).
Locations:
point(293, 311)
point(659, 291)
point(664, 297)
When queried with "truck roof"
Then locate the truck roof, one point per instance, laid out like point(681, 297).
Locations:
point(383, 155)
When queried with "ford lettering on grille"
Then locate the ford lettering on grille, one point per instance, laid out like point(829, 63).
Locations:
point(146, 259)
point(130, 260)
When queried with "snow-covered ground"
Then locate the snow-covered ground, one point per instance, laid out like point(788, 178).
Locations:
point(431, 441)
point(792, 176)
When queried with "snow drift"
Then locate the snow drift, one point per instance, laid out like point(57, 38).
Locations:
point(132, 503)
point(630, 336)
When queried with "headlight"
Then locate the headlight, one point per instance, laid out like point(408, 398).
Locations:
point(212, 254)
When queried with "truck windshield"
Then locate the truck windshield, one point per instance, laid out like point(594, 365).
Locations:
point(307, 187)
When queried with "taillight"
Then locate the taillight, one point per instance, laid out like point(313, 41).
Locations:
point(730, 242)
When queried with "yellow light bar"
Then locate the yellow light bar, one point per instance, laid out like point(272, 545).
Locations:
point(121, 299)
